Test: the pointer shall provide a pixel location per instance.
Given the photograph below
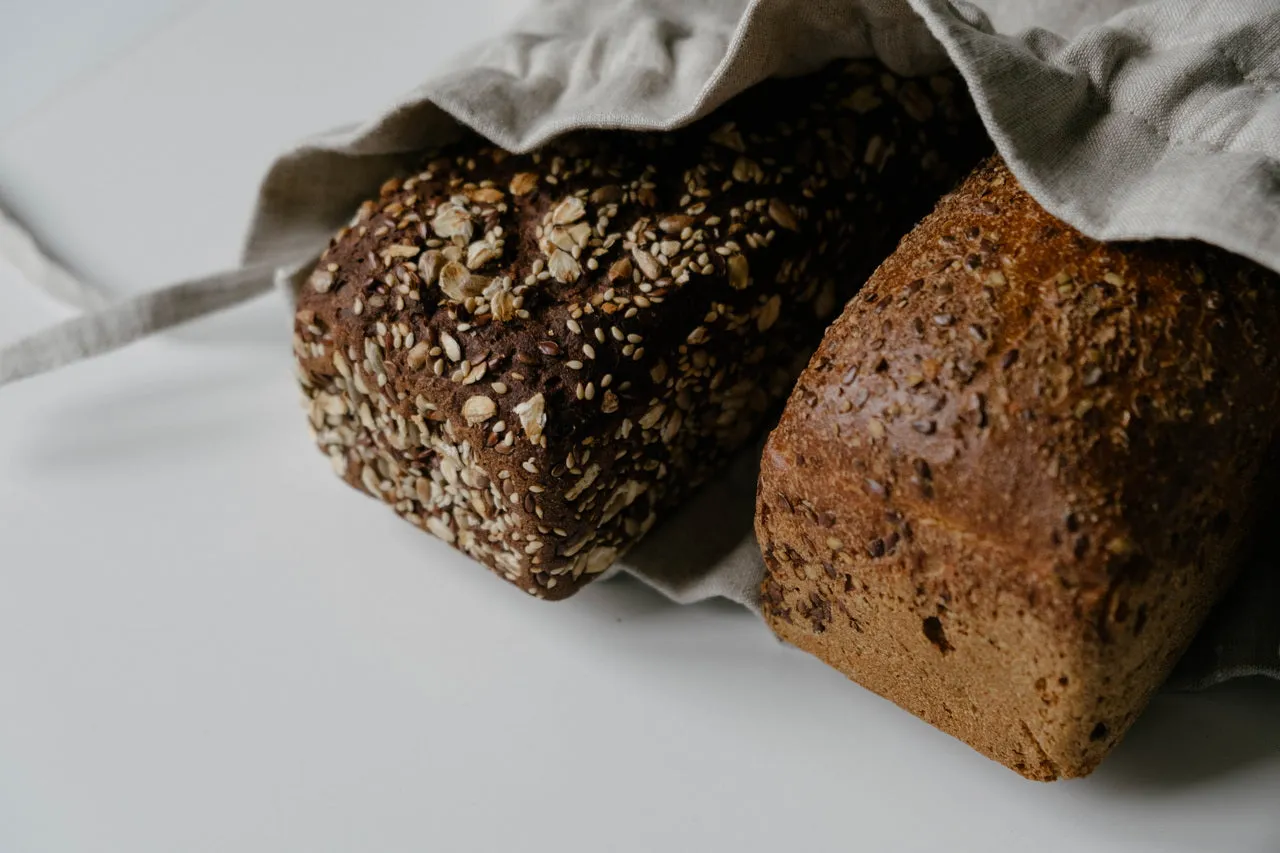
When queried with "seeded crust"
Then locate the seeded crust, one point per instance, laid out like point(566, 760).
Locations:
point(1016, 473)
point(535, 357)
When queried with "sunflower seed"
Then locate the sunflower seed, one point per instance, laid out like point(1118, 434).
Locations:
point(738, 272)
point(399, 250)
point(647, 263)
point(651, 417)
point(451, 348)
point(440, 528)
point(417, 356)
point(781, 213)
point(675, 224)
point(608, 194)
point(620, 269)
point(588, 477)
point(486, 195)
point(769, 313)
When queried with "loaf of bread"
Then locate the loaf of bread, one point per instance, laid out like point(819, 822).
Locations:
point(533, 357)
point(1017, 472)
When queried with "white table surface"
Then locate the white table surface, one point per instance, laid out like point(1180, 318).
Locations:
point(207, 643)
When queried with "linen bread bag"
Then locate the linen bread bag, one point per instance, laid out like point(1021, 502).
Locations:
point(1019, 471)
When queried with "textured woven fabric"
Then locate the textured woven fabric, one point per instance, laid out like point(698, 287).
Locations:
point(1127, 120)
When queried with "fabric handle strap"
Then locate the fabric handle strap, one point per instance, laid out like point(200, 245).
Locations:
point(106, 326)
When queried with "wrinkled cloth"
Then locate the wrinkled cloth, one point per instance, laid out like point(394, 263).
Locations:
point(1127, 120)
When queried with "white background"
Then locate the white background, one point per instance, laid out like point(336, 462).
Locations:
point(207, 643)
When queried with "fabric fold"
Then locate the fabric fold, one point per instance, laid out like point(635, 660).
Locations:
point(1163, 122)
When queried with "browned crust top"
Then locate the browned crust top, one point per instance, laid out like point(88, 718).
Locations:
point(1090, 409)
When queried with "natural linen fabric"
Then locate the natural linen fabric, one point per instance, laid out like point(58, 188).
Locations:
point(1127, 120)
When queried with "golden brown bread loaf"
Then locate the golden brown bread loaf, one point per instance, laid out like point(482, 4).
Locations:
point(535, 356)
point(1015, 475)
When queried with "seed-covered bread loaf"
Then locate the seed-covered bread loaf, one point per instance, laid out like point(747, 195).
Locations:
point(533, 357)
point(1016, 473)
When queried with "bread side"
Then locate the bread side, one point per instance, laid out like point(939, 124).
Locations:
point(1015, 475)
point(535, 356)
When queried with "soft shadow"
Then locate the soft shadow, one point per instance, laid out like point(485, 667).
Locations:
point(137, 420)
point(1184, 740)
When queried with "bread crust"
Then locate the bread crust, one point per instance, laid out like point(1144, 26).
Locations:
point(535, 357)
point(1015, 475)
